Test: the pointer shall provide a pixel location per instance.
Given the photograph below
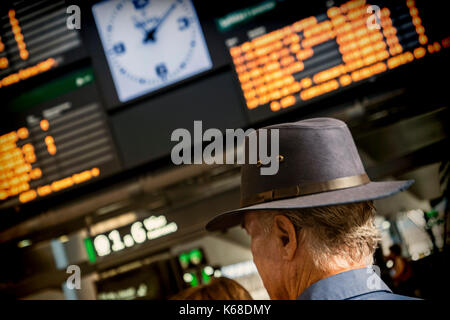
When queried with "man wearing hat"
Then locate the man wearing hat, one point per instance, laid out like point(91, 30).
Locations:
point(311, 224)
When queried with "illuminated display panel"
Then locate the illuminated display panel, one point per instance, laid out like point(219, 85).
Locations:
point(34, 164)
point(64, 142)
point(34, 38)
point(129, 236)
point(323, 53)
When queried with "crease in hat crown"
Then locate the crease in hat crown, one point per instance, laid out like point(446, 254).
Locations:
point(314, 150)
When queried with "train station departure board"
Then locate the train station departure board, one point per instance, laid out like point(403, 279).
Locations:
point(34, 39)
point(64, 141)
point(316, 55)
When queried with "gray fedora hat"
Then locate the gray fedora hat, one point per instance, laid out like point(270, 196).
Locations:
point(319, 166)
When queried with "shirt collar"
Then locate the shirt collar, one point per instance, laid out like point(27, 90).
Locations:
point(345, 285)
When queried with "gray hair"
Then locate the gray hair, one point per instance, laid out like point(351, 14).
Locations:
point(335, 236)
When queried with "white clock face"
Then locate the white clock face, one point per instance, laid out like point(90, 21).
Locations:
point(150, 44)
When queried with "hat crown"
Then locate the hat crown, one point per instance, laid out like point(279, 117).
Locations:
point(313, 151)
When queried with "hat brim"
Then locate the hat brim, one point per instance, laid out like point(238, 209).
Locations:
point(370, 191)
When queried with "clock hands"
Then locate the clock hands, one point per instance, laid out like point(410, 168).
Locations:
point(150, 34)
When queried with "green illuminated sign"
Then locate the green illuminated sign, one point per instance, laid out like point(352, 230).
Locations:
point(195, 256)
point(52, 89)
point(206, 278)
point(432, 214)
point(240, 16)
point(90, 249)
point(194, 281)
point(184, 260)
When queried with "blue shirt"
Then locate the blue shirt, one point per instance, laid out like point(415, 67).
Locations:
point(357, 284)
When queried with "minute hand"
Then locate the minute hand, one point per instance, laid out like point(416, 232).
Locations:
point(151, 33)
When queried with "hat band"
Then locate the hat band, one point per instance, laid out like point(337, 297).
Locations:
point(301, 190)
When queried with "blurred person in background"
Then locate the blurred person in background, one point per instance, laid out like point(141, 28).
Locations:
point(401, 272)
point(218, 289)
point(311, 224)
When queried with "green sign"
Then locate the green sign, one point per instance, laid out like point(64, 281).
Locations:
point(194, 256)
point(90, 250)
point(194, 281)
point(432, 214)
point(52, 89)
point(240, 16)
point(205, 277)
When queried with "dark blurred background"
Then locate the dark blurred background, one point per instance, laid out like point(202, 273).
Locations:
point(87, 115)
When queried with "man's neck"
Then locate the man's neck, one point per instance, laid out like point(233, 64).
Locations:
point(307, 274)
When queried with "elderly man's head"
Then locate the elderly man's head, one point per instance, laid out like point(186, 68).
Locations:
point(294, 248)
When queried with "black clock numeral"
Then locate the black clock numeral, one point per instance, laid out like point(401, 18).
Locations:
point(140, 4)
point(183, 23)
point(161, 70)
point(119, 48)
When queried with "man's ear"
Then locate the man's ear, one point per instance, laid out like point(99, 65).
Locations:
point(286, 236)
